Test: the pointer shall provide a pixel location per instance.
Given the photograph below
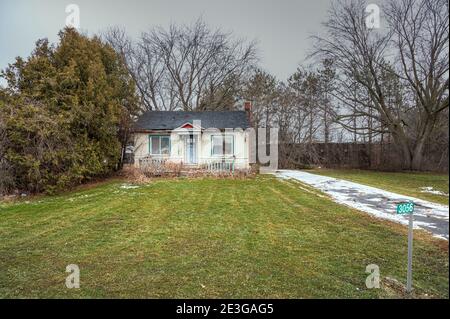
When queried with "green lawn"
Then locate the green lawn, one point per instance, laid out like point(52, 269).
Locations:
point(181, 238)
point(406, 183)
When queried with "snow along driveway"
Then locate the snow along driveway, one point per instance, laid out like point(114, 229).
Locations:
point(380, 203)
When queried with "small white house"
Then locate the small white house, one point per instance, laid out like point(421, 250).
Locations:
point(193, 138)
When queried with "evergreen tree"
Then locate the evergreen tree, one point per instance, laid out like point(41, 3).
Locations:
point(66, 113)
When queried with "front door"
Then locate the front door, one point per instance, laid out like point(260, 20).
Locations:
point(191, 149)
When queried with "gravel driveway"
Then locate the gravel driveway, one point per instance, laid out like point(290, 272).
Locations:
point(380, 203)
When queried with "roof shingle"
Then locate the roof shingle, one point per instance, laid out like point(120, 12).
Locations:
point(169, 120)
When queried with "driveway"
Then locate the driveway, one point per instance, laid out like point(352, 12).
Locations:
point(380, 203)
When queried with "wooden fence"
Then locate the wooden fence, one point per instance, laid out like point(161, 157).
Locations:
point(383, 156)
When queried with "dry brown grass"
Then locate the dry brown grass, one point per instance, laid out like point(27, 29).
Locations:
point(134, 175)
point(162, 169)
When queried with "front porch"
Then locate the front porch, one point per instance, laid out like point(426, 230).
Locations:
point(159, 165)
point(192, 148)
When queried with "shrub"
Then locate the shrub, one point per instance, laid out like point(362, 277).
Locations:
point(134, 175)
point(161, 168)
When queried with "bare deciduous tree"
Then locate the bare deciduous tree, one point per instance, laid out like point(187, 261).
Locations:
point(261, 89)
point(146, 67)
point(421, 35)
point(413, 49)
point(183, 66)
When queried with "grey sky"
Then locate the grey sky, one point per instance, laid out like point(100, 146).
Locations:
point(281, 27)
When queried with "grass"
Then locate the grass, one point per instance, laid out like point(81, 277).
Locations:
point(180, 238)
point(406, 183)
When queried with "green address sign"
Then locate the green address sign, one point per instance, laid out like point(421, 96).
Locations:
point(405, 208)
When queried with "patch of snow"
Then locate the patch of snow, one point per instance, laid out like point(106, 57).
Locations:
point(85, 196)
point(377, 202)
point(431, 190)
point(128, 186)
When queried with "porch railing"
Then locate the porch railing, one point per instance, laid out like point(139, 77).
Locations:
point(219, 166)
point(152, 161)
point(214, 166)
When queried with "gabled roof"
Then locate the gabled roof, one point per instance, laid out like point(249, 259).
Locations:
point(169, 120)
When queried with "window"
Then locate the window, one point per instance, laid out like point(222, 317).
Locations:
point(165, 145)
point(222, 145)
point(216, 145)
point(228, 145)
point(159, 145)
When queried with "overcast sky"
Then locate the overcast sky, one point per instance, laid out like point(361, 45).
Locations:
point(282, 28)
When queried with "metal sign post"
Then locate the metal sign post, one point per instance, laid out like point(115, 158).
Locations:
point(410, 250)
point(403, 209)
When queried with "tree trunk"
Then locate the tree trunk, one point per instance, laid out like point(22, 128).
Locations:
point(406, 154)
point(416, 162)
point(402, 142)
point(417, 152)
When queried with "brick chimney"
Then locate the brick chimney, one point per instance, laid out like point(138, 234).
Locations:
point(248, 111)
